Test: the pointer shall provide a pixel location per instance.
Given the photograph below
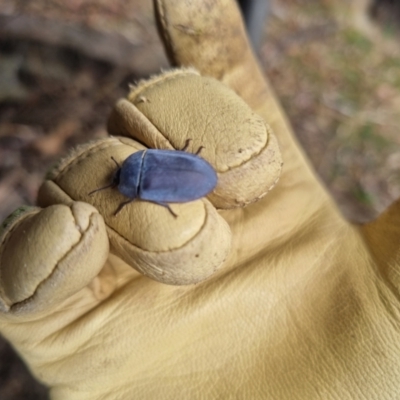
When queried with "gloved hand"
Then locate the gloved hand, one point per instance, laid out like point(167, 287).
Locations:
point(305, 306)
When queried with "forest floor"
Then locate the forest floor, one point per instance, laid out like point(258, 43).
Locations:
point(339, 83)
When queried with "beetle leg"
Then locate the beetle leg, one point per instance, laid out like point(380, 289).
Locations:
point(186, 144)
point(122, 205)
point(170, 210)
point(166, 206)
point(199, 150)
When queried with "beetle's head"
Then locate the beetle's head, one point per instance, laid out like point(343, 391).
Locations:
point(116, 177)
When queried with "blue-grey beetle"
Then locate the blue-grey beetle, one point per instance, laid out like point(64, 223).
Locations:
point(163, 176)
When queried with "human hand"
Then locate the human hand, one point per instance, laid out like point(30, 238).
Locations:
point(305, 306)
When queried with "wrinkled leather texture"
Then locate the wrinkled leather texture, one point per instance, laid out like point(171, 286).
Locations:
point(305, 306)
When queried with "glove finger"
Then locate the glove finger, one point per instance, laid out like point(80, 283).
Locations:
point(178, 251)
point(382, 236)
point(168, 109)
point(47, 255)
point(210, 36)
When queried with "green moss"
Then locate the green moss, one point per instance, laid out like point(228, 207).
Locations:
point(362, 196)
point(367, 134)
point(390, 30)
point(391, 62)
point(357, 41)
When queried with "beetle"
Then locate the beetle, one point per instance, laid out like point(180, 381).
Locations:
point(162, 177)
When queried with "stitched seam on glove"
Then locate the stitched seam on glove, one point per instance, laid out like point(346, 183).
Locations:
point(55, 267)
point(169, 249)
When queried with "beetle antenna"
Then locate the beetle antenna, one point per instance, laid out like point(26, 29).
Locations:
point(199, 150)
point(186, 144)
point(115, 181)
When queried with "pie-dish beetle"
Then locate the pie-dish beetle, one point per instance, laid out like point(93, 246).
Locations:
point(162, 177)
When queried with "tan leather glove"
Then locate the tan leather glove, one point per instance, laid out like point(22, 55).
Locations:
point(306, 305)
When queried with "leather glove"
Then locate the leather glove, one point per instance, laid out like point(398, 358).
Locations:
point(293, 302)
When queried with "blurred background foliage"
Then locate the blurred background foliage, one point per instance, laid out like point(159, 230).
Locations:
point(335, 66)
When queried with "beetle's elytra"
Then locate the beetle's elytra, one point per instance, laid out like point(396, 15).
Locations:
point(162, 177)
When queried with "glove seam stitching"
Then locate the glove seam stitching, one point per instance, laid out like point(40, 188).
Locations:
point(166, 33)
point(57, 263)
point(3, 244)
point(170, 249)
